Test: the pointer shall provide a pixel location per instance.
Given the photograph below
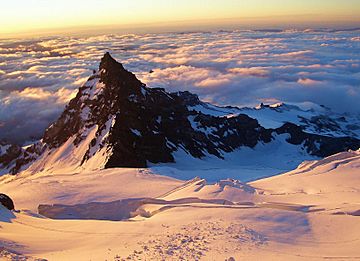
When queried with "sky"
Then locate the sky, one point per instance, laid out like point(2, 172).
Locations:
point(20, 17)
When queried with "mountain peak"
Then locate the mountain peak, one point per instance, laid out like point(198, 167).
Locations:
point(108, 62)
point(116, 77)
point(116, 121)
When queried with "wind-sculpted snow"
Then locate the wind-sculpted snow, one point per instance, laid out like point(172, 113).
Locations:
point(308, 215)
point(341, 172)
point(227, 68)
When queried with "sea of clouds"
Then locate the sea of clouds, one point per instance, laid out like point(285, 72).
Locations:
point(39, 76)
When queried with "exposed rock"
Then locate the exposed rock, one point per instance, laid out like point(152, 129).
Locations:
point(318, 145)
point(10, 153)
point(6, 202)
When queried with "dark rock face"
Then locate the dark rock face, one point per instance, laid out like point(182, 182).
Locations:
point(6, 202)
point(318, 145)
point(16, 157)
point(12, 152)
point(147, 125)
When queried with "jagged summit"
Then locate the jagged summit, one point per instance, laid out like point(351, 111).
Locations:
point(108, 61)
point(116, 121)
point(115, 76)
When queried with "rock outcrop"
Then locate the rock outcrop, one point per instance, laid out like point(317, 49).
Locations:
point(7, 202)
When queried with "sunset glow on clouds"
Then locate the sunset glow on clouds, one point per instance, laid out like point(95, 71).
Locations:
point(244, 68)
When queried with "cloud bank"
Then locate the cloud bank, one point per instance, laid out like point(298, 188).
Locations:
point(39, 76)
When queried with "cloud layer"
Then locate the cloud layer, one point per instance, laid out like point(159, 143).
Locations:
point(39, 76)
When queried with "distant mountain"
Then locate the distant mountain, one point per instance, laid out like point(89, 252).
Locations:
point(116, 121)
point(8, 154)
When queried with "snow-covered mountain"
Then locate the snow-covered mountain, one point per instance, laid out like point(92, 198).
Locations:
point(116, 121)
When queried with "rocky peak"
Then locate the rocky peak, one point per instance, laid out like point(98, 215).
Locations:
point(105, 93)
point(117, 78)
point(108, 62)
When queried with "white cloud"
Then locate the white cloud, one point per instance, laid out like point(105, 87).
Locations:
point(228, 68)
point(308, 82)
point(252, 71)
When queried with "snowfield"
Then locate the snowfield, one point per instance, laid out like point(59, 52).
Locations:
point(310, 213)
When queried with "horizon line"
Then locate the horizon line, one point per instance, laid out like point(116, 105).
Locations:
point(316, 21)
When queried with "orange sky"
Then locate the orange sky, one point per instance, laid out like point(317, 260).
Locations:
point(32, 16)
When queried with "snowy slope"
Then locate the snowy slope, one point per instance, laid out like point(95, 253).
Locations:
point(29, 190)
point(244, 164)
point(333, 180)
point(310, 213)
